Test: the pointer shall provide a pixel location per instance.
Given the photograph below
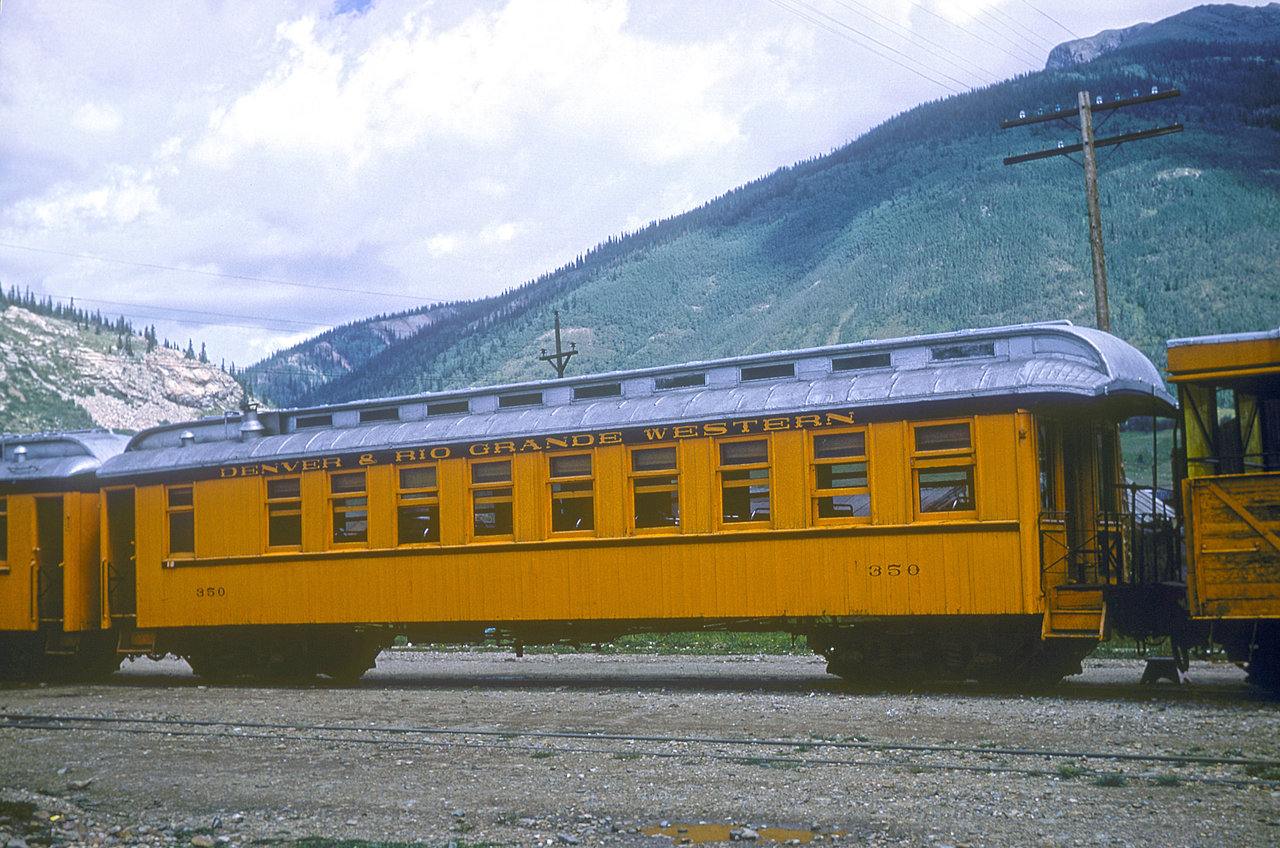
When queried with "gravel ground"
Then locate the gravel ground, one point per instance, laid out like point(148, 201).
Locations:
point(955, 766)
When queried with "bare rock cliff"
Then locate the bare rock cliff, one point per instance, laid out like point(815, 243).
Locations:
point(48, 366)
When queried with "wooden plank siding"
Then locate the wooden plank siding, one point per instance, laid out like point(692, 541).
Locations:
point(985, 561)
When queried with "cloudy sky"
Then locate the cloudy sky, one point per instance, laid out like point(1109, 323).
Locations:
point(250, 174)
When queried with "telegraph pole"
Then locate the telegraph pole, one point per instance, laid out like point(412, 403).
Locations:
point(1088, 148)
point(560, 359)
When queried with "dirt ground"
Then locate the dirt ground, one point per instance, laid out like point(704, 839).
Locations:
point(585, 749)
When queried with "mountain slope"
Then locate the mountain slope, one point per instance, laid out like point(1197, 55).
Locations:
point(1220, 23)
point(56, 374)
point(917, 226)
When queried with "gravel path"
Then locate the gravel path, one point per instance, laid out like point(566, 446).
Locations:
point(581, 750)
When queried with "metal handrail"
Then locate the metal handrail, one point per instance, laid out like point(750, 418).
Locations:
point(1127, 546)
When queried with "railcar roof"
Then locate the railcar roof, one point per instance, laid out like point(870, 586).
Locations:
point(1225, 357)
point(1224, 338)
point(55, 457)
point(1027, 366)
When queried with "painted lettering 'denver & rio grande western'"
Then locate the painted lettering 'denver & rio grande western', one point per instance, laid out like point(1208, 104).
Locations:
point(505, 447)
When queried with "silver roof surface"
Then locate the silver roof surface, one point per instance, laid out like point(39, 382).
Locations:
point(1030, 365)
point(51, 458)
point(1227, 337)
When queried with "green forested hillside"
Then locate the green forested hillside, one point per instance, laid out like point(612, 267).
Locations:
point(918, 227)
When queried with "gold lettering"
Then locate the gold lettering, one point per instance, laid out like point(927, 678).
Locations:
point(777, 424)
point(310, 465)
point(610, 438)
point(406, 455)
point(268, 469)
point(719, 428)
point(583, 440)
point(553, 442)
point(439, 453)
point(745, 426)
point(656, 434)
point(685, 431)
point(332, 462)
point(530, 445)
point(504, 447)
point(838, 418)
point(366, 459)
point(290, 466)
point(248, 471)
point(227, 471)
point(808, 420)
point(480, 449)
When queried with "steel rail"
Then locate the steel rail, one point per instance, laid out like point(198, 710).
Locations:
point(54, 722)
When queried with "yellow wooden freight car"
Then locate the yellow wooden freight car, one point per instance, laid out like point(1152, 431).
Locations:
point(50, 595)
point(936, 506)
point(1229, 390)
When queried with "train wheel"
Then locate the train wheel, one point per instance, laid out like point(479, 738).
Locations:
point(1039, 663)
point(20, 657)
point(346, 664)
point(1004, 652)
point(95, 659)
point(288, 656)
point(212, 665)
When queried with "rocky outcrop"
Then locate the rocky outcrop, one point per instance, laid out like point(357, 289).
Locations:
point(45, 357)
point(1221, 22)
point(1087, 49)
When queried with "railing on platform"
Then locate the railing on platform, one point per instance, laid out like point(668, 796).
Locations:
point(1138, 545)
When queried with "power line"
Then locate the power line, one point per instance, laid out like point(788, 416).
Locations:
point(1051, 18)
point(974, 35)
point(1015, 43)
point(220, 274)
point(170, 311)
point(1086, 106)
point(906, 32)
point(836, 27)
point(1015, 25)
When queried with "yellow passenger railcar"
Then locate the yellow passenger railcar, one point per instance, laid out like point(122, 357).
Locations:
point(938, 506)
point(1229, 391)
point(50, 595)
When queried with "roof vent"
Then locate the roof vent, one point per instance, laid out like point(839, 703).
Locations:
point(187, 438)
point(250, 427)
point(20, 454)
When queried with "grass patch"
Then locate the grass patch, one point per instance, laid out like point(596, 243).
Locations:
point(626, 755)
point(697, 643)
point(1067, 771)
point(542, 755)
point(710, 643)
point(1263, 771)
point(765, 762)
point(318, 842)
point(1111, 780)
point(17, 811)
point(1168, 780)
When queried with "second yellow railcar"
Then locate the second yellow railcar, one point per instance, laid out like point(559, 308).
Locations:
point(938, 506)
point(1229, 388)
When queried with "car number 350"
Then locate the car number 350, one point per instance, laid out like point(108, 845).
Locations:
point(893, 570)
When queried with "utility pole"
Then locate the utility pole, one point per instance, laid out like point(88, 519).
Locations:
point(1088, 148)
point(560, 359)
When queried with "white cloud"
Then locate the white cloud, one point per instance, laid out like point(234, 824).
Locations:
point(441, 149)
point(441, 244)
point(98, 118)
point(122, 199)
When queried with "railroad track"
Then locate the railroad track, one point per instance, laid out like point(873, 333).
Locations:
point(779, 753)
